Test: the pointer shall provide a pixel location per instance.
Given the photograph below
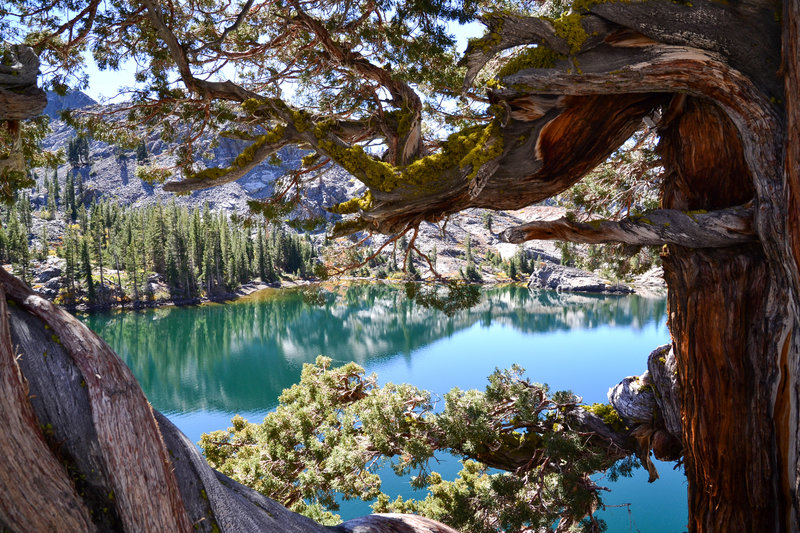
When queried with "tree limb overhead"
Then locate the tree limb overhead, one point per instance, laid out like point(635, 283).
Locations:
point(715, 229)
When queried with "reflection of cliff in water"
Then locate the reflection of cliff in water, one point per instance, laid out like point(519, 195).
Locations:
point(238, 357)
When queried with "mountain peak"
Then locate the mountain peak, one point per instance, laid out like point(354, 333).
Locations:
point(73, 100)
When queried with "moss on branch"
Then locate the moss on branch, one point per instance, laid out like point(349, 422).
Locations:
point(534, 57)
point(609, 415)
point(353, 205)
point(245, 158)
point(569, 28)
point(472, 146)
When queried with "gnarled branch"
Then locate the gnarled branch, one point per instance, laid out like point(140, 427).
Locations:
point(229, 174)
point(715, 229)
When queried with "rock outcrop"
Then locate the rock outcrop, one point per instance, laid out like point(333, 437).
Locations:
point(564, 278)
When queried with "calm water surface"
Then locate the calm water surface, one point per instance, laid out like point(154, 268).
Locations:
point(201, 365)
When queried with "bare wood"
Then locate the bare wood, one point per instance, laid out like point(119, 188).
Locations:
point(37, 494)
point(146, 494)
point(715, 229)
point(392, 523)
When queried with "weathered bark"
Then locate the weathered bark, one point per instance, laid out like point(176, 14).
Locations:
point(38, 494)
point(145, 497)
point(733, 311)
point(662, 366)
point(721, 306)
point(392, 523)
point(20, 97)
point(716, 229)
point(788, 397)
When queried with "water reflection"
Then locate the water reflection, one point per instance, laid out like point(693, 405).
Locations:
point(239, 357)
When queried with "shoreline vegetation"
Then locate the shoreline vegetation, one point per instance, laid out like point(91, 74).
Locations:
point(93, 255)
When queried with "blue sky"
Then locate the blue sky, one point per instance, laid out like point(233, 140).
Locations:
point(105, 84)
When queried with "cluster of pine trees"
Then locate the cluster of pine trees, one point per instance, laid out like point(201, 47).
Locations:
point(16, 224)
point(195, 251)
point(114, 253)
point(518, 267)
point(71, 198)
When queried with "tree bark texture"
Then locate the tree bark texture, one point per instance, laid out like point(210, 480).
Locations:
point(715, 229)
point(721, 303)
point(37, 492)
point(727, 138)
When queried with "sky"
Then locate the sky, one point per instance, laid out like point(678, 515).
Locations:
point(104, 85)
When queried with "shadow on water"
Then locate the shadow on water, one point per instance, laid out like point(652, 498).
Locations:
point(239, 357)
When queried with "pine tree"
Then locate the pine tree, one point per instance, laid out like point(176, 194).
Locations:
point(132, 267)
point(69, 249)
point(86, 267)
point(141, 153)
point(83, 219)
point(69, 198)
point(261, 254)
point(98, 236)
point(56, 188)
point(44, 244)
point(4, 245)
point(79, 192)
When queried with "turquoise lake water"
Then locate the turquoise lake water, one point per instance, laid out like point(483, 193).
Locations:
point(201, 365)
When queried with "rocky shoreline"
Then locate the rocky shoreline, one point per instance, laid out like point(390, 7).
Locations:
point(548, 275)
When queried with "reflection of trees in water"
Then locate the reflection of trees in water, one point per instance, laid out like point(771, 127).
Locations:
point(240, 356)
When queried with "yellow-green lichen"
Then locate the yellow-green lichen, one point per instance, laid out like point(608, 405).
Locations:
point(491, 39)
point(372, 172)
point(310, 159)
point(609, 415)
point(494, 83)
point(485, 43)
point(569, 28)
point(348, 226)
point(255, 105)
point(322, 128)
point(533, 57)
point(474, 145)
point(693, 213)
point(401, 120)
point(488, 147)
point(353, 205)
point(301, 120)
point(251, 105)
point(245, 158)
point(454, 150)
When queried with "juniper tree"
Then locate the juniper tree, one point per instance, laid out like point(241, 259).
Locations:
point(718, 80)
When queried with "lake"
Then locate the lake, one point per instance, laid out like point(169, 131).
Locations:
point(201, 365)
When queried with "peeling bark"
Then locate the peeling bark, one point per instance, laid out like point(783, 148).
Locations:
point(721, 311)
